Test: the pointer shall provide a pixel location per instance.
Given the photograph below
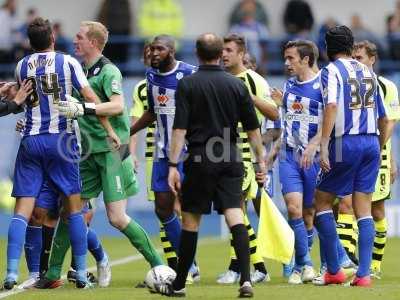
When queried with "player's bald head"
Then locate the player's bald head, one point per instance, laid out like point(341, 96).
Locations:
point(165, 40)
point(209, 47)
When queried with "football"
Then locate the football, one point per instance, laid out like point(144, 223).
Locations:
point(158, 275)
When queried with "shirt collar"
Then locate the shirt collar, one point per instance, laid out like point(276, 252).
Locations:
point(210, 67)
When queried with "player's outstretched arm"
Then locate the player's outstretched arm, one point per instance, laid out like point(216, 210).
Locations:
point(328, 122)
point(145, 120)
point(257, 146)
point(268, 110)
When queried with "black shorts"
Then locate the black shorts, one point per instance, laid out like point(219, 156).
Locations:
point(209, 184)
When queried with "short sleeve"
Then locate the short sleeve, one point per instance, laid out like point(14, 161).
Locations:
point(182, 104)
point(112, 80)
point(329, 84)
point(137, 104)
point(247, 112)
point(78, 77)
point(381, 108)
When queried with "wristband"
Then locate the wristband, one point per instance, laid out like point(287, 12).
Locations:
point(172, 164)
point(89, 108)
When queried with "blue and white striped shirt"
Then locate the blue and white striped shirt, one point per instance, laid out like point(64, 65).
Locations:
point(54, 75)
point(302, 111)
point(353, 87)
point(161, 89)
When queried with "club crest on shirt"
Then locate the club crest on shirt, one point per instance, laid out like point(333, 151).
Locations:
point(316, 86)
point(96, 71)
point(297, 107)
point(179, 75)
point(162, 99)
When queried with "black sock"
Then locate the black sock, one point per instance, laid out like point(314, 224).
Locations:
point(260, 267)
point(73, 264)
point(47, 239)
point(173, 263)
point(234, 265)
point(187, 249)
point(241, 245)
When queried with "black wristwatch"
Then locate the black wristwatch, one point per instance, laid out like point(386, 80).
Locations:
point(172, 164)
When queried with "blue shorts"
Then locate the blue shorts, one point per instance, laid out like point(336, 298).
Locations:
point(354, 161)
point(296, 179)
point(49, 197)
point(53, 156)
point(159, 176)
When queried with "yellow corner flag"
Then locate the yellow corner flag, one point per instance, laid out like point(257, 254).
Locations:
point(275, 237)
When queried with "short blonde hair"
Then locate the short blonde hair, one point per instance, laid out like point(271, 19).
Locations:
point(96, 31)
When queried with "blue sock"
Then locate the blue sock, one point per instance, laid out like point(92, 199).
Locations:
point(325, 223)
point(322, 253)
point(366, 235)
point(344, 259)
point(16, 239)
point(33, 248)
point(172, 226)
point(94, 245)
point(302, 255)
point(310, 237)
point(78, 234)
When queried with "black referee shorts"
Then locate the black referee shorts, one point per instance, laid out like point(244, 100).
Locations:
point(209, 184)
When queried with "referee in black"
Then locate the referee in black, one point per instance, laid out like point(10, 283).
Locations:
point(209, 105)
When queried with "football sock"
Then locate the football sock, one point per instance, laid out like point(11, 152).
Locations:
point(302, 255)
point(241, 245)
point(139, 239)
point(60, 247)
point(255, 256)
point(77, 230)
point(169, 251)
point(365, 245)
point(379, 244)
point(188, 244)
point(94, 246)
point(172, 227)
point(16, 239)
point(345, 232)
point(310, 238)
point(325, 223)
point(47, 239)
point(33, 247)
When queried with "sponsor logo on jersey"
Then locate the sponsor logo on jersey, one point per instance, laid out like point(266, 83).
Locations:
point(297, 107)
point(164, 110)
point(162, 99)
point(302, 118)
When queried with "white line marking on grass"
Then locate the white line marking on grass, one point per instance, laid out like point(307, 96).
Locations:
point(117, 262)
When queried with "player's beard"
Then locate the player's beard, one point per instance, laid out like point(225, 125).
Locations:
point(163, 64)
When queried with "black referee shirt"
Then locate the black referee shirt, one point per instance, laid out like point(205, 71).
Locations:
point(209, 101)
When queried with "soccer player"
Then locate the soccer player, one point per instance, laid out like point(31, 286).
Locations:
point(232, 58)
point(103, 169)
point(298, 168)
point(48, 148)
point(162, 80)
point(366, 53)
point(140, 105)
point(350, 151)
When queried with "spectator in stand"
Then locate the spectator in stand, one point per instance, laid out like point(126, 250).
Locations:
point(8, 26)
point(116, 16)
point(157, 17)
point(298, 19)
point(23, 48)
point(393, 33)
point(328, 24)
point(63, 43)
point(251, 29)
point(239, 11)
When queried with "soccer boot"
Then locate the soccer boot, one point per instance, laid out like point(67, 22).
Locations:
point(103, 274)
point(307, 274)
point(45, 283)
point(229, 277)
point(167, 290)
point(295, 277)
point(9, 284)
point(71, 276)
point(246, 290)
point(362, 281)
point(327, 278)
point(258, 277)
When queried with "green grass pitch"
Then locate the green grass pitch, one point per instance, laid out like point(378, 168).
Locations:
point(212, 256)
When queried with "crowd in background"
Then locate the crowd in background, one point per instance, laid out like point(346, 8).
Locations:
point(152, 17)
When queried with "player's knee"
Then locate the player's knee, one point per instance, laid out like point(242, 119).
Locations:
point(294, 211)
point(38, 217)
point(163, 212)
point(378, 213)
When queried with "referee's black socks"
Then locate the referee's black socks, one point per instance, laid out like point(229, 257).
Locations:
point(240, 240)
point(187, 250)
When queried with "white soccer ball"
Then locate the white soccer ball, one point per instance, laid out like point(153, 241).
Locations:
point(159, 275)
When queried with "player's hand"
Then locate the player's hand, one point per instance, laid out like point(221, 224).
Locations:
point(24, 91)
point(393, 171)
point(20, 126)
point(277, 96)
point(115, 140)
point(324, 157)
point(174, 181)
point(71, 108)
point(307, 158)
point(5, 88)
point(261, 172)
